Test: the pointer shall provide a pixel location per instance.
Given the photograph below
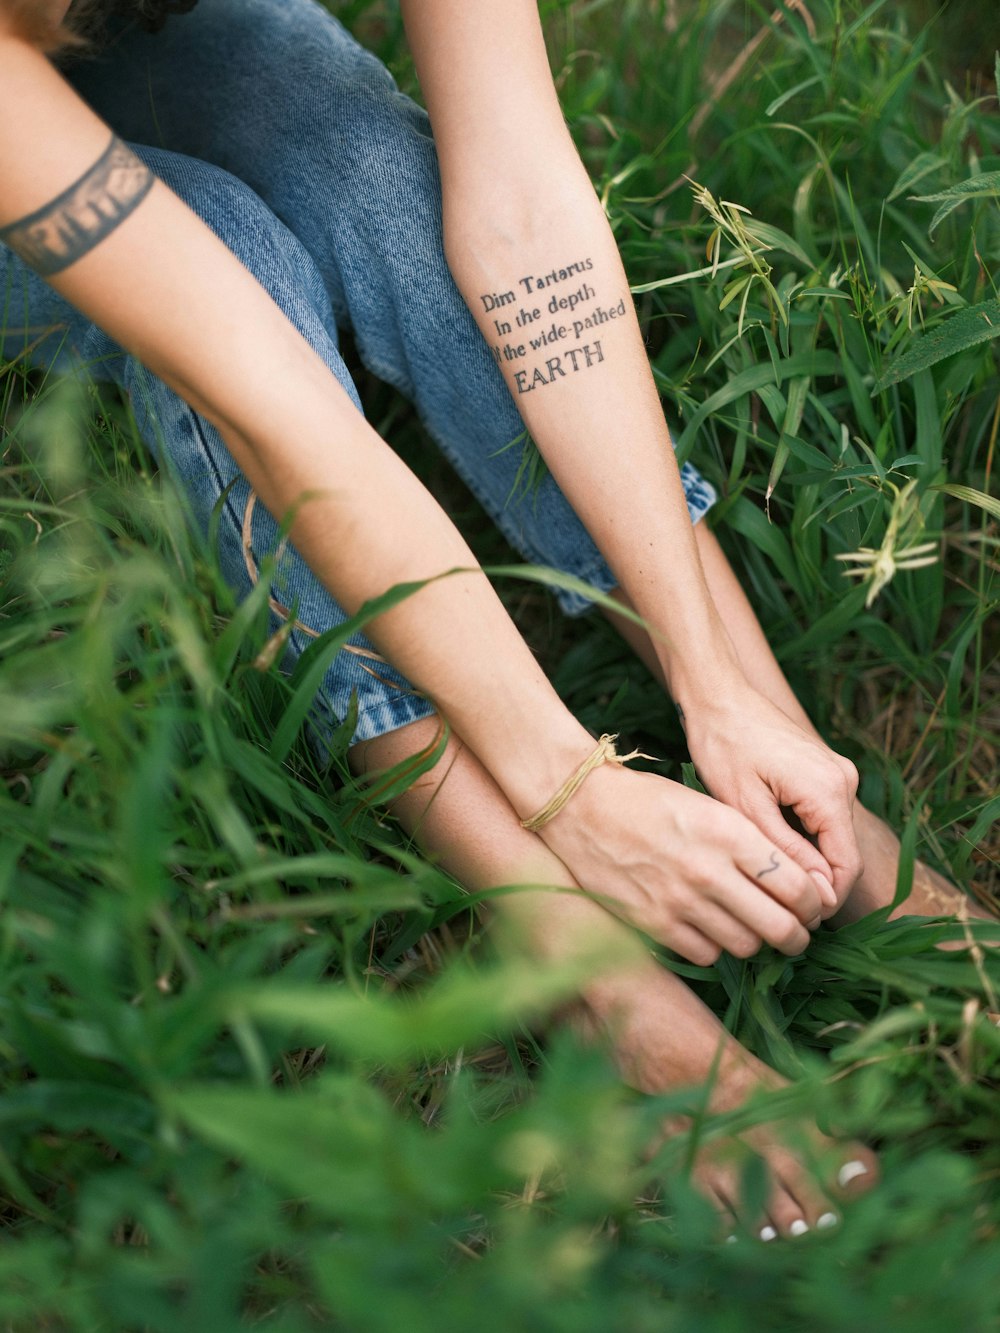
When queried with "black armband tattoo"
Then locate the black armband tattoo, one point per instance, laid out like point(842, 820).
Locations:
point(63, 231)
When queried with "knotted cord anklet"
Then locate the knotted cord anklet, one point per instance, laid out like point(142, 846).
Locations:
point(605, 753)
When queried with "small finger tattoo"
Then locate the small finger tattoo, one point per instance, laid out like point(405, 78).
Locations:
point(72, 224)
point(775, 863)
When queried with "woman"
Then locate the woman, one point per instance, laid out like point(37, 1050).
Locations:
point(277, 185)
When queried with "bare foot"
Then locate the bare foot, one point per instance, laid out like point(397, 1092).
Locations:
point(931, 894)
point(664, 1038)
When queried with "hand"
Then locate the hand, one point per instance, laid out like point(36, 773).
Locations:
point(756, 760)
point(693, 874)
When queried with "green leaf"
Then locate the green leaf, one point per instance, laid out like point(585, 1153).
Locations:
point(971, 496)
point(339, 1146)
point(826, 629)
point(751, 380)
point(314, 663)
point(922, 165)
point(965, 328)
point(897, 1022)
point(798, 391)
point(676, 278)
point(553, 578)
point(789, 93)
point(976, 187)
point(460, 1009)
point(746, 519)
point(71, 1105)
point(777, 239)
point(984, 186)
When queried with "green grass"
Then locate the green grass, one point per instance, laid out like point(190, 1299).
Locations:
point(257, 1067)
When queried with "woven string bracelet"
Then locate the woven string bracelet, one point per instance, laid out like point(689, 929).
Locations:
point(605, 753)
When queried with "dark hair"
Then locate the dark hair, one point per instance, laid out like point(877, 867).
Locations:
point(86, 20)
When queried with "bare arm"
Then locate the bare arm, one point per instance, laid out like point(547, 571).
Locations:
point(198, 319)
point(534, 257)
point(126, 251)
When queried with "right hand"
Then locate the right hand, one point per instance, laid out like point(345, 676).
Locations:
point(692, 873)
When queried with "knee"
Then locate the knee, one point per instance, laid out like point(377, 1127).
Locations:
point(342, 117)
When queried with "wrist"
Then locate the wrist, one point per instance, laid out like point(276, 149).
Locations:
point(691, 648)
point(533, 753)
point(703, 681)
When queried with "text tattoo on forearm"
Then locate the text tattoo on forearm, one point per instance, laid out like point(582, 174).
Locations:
point(549, 352)
point(72, 224)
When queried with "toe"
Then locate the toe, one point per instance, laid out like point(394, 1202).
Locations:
point(856, 1173)
point(785, 1214)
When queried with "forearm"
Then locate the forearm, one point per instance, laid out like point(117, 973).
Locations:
point(549, 292)
point(534, 257)
point(363, 522)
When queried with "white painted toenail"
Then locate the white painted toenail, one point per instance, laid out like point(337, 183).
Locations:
point(730, 1240)
point(799, 1227)
point(826, 1220)
point(768, 1233)
point(850, 1171)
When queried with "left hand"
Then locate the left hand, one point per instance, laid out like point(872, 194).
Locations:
point(753, 757)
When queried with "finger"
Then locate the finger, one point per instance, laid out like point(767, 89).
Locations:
point(719, 1180)
point(857, 1173)
point(822, 798)
point(785, 1214)
point(833, 1169)
point(780, 876)
point(809, 1203)
point(690, 943)
point(742, 898)
point(798, 849)
point(832, 824)
point(728, 931)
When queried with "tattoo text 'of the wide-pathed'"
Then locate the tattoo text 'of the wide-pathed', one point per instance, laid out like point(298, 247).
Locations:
point(77, 220)
point(537, 349)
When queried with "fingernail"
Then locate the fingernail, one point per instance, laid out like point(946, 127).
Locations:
point(825, 887)
point(826, 1220)
point(768, 1233)
point(850, 1171)
point(799, 1227)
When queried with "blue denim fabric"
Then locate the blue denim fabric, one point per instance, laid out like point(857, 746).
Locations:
point(293, 143)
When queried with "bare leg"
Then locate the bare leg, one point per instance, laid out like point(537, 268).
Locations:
point(931, 894)
point(663, 1036)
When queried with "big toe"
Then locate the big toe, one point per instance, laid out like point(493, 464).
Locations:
point(856, 1172)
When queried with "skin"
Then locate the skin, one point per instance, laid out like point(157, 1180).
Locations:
point(661, 1035)
point(696, 873)
point(930, 894)
point(201, 323)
